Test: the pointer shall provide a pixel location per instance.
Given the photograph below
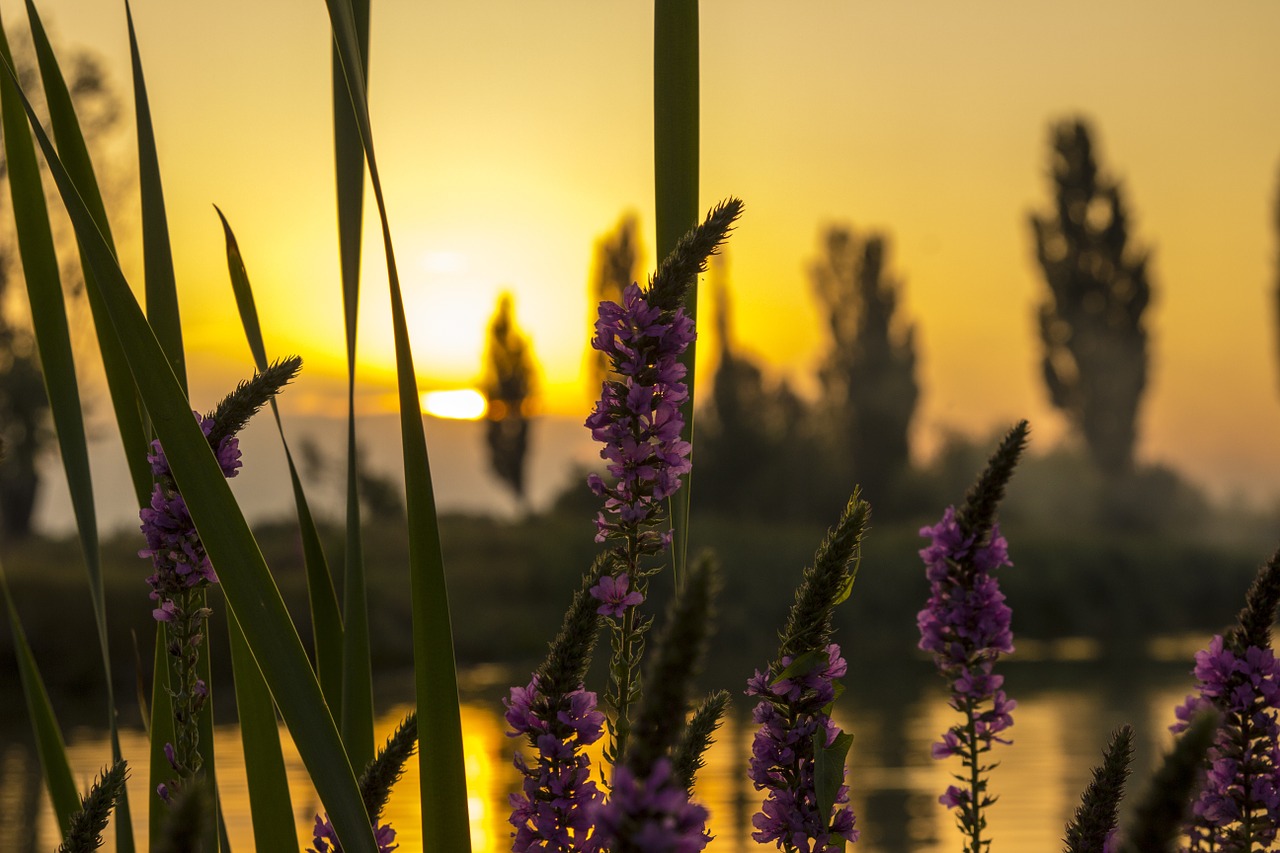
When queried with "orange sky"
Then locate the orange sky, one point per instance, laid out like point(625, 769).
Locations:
point(511, 134)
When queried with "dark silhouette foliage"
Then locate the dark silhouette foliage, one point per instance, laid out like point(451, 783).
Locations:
point(508, 387)
point(868, 378)
point(1276, 221)
point(750, 457)
point(1092, 324)
point(24, 408)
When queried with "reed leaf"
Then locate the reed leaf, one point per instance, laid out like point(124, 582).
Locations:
point(272, 810)
point(326, 619)
point(250, 591)
point(445, 824)
point(357, 681)
point(50, 746)
point(157, 255)
point(53, 342)
point(166, 324)
point(675, 180)
point(66, 127)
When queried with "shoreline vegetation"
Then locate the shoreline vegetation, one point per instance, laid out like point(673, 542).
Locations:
point(1105, 595)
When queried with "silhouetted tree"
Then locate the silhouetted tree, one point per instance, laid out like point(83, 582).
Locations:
point(613, 267)
point(508, 386)
point(380, 494)
point(752, 459)
point(24, 407)
point(868, 377)
point(1276, 222)
point(1092, 324)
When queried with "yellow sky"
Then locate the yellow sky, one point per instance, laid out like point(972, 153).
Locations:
point(511, 134)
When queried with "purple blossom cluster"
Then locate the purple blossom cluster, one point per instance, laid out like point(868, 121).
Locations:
point(173, 546)
point(651, 814)
point(554, 810)
point(792, 710)
point(1239, 803)
point(326, 840)
point(638, 416)
point(612, 592)
point(966, 626)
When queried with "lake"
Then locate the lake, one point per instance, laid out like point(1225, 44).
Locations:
point(1070, 698)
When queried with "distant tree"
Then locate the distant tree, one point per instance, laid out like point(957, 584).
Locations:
point(1092, 324)
point(751, 459)
point(24, 408)
point(508, 387)
point(1276, 222)
point(868, 377)
point(612, 269)
point(380, 494)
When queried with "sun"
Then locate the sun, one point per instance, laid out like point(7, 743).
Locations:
point(462, 404)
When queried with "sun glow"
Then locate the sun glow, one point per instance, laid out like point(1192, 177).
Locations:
point(463, 404)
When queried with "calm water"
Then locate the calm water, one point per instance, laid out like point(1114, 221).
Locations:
point(1067, 707)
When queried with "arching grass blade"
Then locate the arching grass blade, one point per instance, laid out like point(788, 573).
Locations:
point(441, 765)
point(250, 591)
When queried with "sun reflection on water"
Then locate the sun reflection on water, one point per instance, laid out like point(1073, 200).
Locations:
point(1059, 733)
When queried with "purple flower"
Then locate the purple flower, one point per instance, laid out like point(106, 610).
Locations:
point(651, 814)
point(552, 811)
point(638, 417)
point(613, 592)
point(173, 545)
point(791, 711)
point(1239, 803)
point(326, 840)
point(966, 625)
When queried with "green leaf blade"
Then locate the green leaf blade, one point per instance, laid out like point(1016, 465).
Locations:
point(675, 176)
point(272, 808)
point(326, 619)
point(828, 770)
point(53, 342)
point(357, 677)
point(445, 823)
point(157, 254)
point(50, 746)
point(250, 591)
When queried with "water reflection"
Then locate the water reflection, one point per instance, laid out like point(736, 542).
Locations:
point(1065, 714)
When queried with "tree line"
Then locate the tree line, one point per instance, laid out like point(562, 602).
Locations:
point(755, 436)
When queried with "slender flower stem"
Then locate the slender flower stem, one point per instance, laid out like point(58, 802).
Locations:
point(975, 776)
point(624, 686)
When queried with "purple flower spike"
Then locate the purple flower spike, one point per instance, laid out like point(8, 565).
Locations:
point(552, 810)
point(1239, 803)
point(654, 815)
point(966, 626)
point(638, 417)
point(613, 592)
point(791, 711)
point(173, 545)
point(326, 840)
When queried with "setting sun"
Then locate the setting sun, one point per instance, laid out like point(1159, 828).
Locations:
point(463, 404)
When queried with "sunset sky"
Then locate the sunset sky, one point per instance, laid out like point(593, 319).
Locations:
point(512, 134)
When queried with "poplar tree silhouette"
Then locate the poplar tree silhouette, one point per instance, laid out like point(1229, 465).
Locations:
point(868, 377)
point(751, 459)
point(508, 387)
point(1276, 222)
point(1092, 323)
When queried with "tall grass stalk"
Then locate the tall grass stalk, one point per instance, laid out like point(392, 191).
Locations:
point(445, 824)
point(675, 186)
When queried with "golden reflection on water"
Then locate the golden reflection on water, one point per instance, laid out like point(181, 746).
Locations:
point(1059, 734)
